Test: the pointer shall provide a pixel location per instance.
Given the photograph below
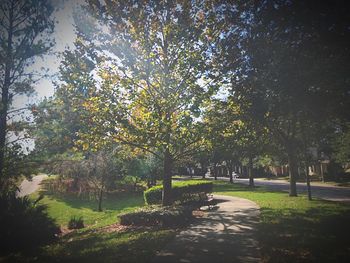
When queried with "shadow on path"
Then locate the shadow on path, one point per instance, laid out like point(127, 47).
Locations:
point(226, 234)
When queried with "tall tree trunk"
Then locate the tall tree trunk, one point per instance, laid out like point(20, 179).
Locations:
point(215, 172)
point(203, 170)
point(5, 95)
point(308, 181)
point(100, 196)
point(250, 172)
point(230, 170)
point(167, 196)
point(292, 170)
point(321, 172)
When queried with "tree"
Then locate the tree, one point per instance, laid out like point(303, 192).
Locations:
point(95, 170)
point(25, 27)
point(294, 69)
point(202, 157)
point(233, 135)
point(59, 118)
point(152, 92)
point(341, 145)
point(101, 169)
point(222, 140)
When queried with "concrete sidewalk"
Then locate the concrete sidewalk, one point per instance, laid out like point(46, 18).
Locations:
point(27, 187)
point(226, 234)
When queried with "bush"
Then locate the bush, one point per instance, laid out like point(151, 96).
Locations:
point(24, 224)
point(181, 191)
point(153, 195)
point(158, 216)
point(76, 223)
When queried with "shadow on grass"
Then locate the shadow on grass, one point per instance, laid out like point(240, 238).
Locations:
point(130, 246)
point(293, 229)
point(317, 235)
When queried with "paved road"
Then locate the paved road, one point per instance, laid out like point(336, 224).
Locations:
point(225, 234)
point(27, 187)
point(327, 192)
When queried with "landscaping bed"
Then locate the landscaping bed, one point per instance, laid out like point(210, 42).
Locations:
point(103, 239)
point(172, 216)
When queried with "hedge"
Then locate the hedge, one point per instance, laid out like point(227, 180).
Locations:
point(181, 191)
point(158, 216)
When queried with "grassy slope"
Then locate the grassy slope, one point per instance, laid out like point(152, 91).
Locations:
point(91, 244)
point(293, 229)
point(62, 208)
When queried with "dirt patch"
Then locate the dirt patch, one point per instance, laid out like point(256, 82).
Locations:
point(113, 228)
point(65, 231)
point(198, 213)
point(107, 229)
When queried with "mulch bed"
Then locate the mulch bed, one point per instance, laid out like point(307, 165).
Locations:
point(122, 228)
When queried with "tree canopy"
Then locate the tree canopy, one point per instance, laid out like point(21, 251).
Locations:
point(25, 28)
point(201, 83)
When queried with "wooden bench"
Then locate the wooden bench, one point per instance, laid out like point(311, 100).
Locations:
point(207, 200)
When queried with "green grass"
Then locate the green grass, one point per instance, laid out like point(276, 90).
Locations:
point(293, 229)
point(63, 207)
point(313, 180)
point(138, 245)
point(92, 244)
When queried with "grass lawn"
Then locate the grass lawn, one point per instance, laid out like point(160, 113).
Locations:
point(314, 180)
point(293, 229)
point(138, 245)
point(63, 207)
point(95, 243)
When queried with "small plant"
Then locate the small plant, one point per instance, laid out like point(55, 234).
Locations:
point(76, 223)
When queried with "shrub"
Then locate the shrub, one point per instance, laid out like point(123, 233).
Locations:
point(158, 216)
point(181, 191)
point(24, 224)
point(76, 223)
point(153, 195)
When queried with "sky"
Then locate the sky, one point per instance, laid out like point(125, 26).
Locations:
point(64, 36)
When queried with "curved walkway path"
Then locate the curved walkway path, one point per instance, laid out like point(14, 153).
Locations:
point(30, 186)
point(225, 234)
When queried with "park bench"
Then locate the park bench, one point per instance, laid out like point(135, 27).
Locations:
point(207, 200)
